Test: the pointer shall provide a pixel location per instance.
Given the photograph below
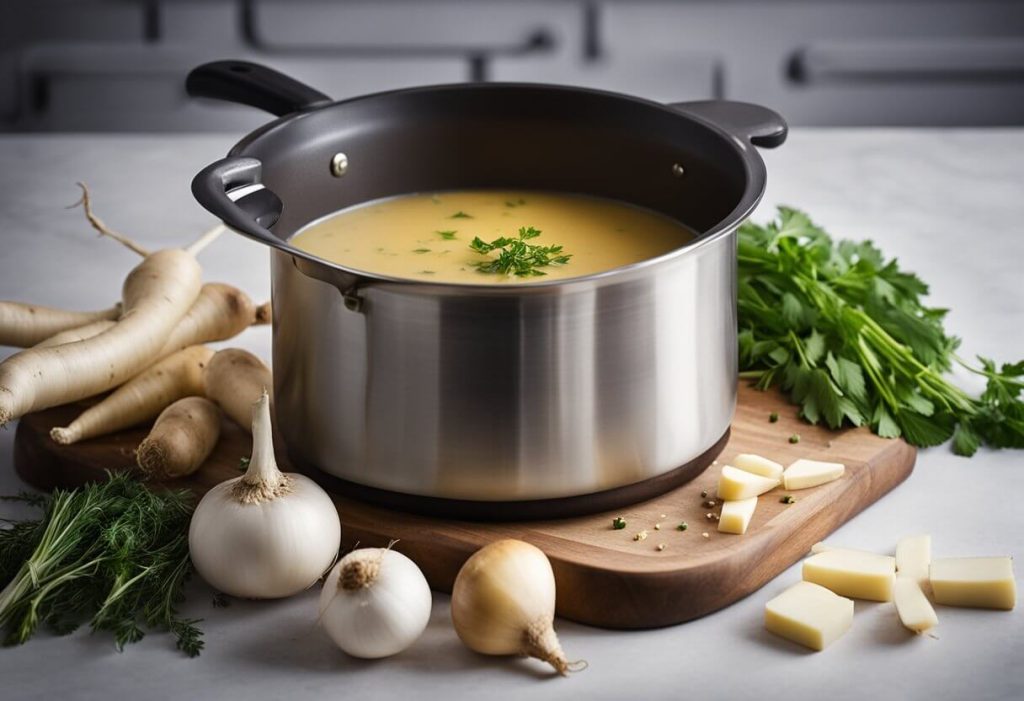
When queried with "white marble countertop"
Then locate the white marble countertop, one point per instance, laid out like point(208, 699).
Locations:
point(948, 203)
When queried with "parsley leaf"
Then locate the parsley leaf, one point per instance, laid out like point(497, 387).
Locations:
point(516, 256)
point(845, 334)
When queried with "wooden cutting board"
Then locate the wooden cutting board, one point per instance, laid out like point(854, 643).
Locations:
point(604, 576)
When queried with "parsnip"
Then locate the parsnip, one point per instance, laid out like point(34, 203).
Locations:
point(236, 379)
point(81, 333)
point(156, 295)
point(182, 438)
point(24, 325)
point(142, 397)
point(220, 312)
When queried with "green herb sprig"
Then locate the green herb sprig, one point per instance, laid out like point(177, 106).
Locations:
point(516, 256)
point(114, 554)
point(843, 331)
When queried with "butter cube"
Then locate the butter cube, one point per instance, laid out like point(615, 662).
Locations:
point(735, 484)
point(736, 515)
point(810, 473)
point(913, 557)
point(758, 465)
point(809, 615)
point(980, 582)
point(914, 609)
point(859, 575)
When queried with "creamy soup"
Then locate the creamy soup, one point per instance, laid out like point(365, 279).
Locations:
point(434, 236)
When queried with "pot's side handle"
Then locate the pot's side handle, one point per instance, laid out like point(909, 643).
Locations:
point(230, 189)
point(253, 212)
point(254, 85)
point(758, 125)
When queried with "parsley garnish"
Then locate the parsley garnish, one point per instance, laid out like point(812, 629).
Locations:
point(516, 256)
point(448, 235)
point(421, 250)
point(460, 215)
point(844, 333)
point(515, 203)
point(113, 553)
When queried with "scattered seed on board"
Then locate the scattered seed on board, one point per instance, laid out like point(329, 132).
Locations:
point(703, 493)
point(657, 526)
point(642, 535)
point(682, 526)
point(709, 504)
point(661, 546)
point(773, 417)
point(705, 534)
point(795, 438)
point(618, 523)
point(662, 516)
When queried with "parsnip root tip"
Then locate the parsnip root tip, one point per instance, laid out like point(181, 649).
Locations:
point(101, 227)
point(264, 314)
point(63, 435)
point(151, 457)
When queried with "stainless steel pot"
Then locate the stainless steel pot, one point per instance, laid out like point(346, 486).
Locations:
point(496, 401)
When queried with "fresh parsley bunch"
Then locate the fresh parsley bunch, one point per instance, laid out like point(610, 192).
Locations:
point(112, 553)
point(843, 332)
point(516, 256)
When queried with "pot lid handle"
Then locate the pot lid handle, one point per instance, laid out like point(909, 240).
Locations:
point(758, 125)
point(254, 85)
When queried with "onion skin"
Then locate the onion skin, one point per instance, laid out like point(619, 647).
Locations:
point(503, 603)
point(267, 534)
point(375, 603)
point(265, 550)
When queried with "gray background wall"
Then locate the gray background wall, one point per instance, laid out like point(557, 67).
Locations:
point(119, 65)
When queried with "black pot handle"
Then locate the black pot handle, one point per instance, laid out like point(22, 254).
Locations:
point(254, 85)
point(253, 213)
point(758, 125)
point(256, 211)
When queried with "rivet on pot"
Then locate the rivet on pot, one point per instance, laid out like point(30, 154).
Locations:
point(339, 164)
point(678, 170)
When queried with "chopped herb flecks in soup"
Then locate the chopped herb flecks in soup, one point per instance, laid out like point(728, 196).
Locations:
point(491, 236)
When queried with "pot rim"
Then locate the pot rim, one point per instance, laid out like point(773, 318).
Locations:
point(753, 170)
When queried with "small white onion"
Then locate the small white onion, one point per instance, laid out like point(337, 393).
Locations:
point(375, 603)
point(267, 534)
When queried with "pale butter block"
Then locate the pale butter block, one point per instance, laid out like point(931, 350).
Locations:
point(810, 473)
point(859, 575)
point(749, 462)
point(735, 484)
point(913, 607)
point(913, 557)
point(736, 515)
point(809, 615)
point(979, 582)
